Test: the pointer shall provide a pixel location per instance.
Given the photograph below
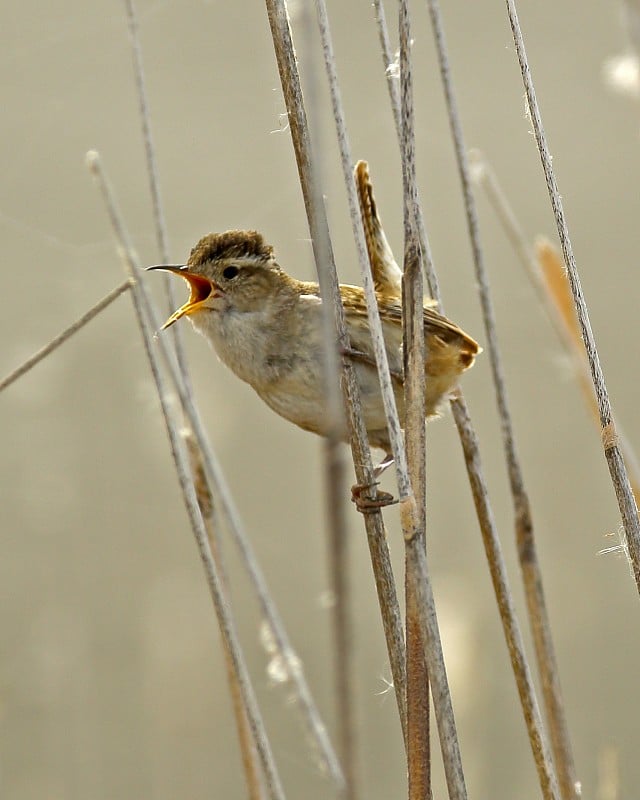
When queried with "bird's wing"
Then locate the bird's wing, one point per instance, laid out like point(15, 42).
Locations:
point(435, 324)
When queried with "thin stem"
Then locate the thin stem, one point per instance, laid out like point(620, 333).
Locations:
point(154, 183)
point(409, 513)
point(408, 507)
point(338, 539)
point(195, 450)
point(61, 338)
point(419, 752)
point(615, 461)
point(533, 582)
point(318, 226)
point(421, 589)
point(216, 587)
point(504, 598)
point(342, 623)
point(385, 583)
point(375, 324)
point(522, 511)
point(391, 69)
point(484, 513)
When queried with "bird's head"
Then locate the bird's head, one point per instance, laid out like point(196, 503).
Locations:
point(235, 270)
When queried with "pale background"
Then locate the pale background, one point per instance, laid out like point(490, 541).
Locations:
point(111, 677)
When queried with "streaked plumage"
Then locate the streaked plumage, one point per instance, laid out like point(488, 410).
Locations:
point(266, 326)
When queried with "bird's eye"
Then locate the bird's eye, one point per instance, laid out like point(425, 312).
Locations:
point(230, 272)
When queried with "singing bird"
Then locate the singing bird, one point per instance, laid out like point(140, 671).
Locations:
point(266, 325)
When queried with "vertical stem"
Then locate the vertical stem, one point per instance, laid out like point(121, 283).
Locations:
point(421, 589)
point(527, 552)
point(336, 528)
point(615, 462)
point(471, 452)
point(195, 447)
point(342, 622)
point(419, 753)
point(425, 607)
point(154, 184)
point(390, 68)
point(497, 568)
point(522, 512)
point(418, 745)
point(329, 287)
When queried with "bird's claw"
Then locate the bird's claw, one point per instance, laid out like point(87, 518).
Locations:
point(368, 505)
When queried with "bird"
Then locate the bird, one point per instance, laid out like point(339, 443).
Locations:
point(266, 326)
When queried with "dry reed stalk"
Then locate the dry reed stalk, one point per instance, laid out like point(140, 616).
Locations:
point(154, 184)
point(524, 532)
point(545, 268)
point(337, 534)
point(62, 337)
point(472, 456)
point(469, 440)
point(214, 580)
point(409, 512)
point(333, 318)
point(610, 439)
point(338, 541)
point(419, 751)
point(391, 71)
point(327, 275)
point(248, 751)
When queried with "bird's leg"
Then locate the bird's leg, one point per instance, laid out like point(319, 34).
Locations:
point(386, 462)
point(367, 505)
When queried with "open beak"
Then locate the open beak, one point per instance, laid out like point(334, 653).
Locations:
point(201, 289)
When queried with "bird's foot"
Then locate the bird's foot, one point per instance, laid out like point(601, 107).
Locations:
point(368, 505)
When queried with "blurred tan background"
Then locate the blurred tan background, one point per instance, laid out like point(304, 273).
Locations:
point(111, 677)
